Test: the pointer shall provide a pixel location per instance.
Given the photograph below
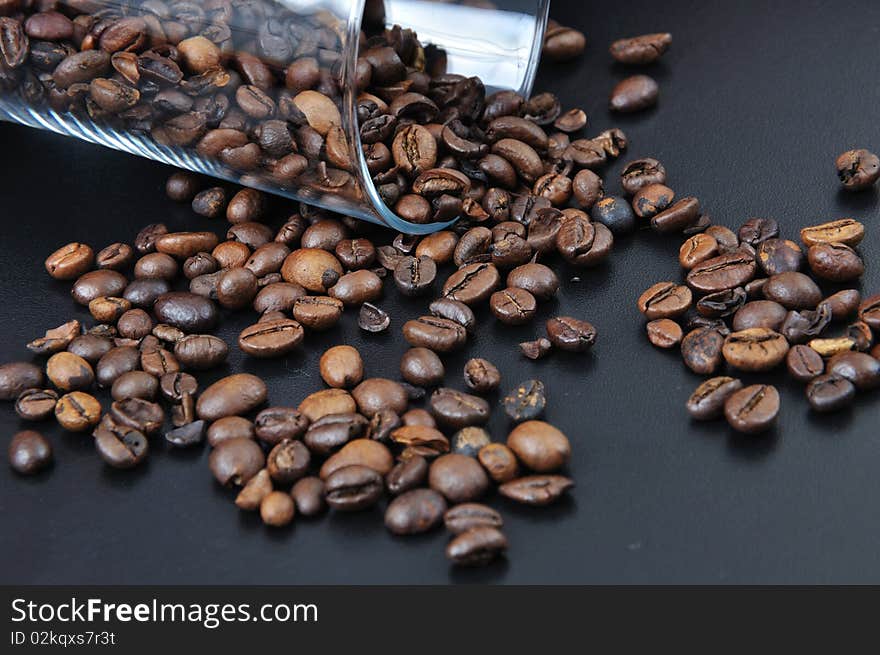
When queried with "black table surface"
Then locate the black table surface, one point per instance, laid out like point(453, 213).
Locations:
point(757, 100)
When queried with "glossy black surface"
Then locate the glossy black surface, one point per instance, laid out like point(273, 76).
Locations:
point(757, 100)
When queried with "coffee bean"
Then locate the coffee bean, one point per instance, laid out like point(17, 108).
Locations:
point(845, 230)
point(869, 311)
point(423, 440)
point(439, 246)
point(158, 361)
point(414, 512)
point(469, 441)
point(134, 384)
point(481, 375)
point(331, 432)
point(832, 346)
point(587, 188)
point(138, 414)
point(16, 377)
point(375, 394)
point(468, 516)
point(562, 43)
point(437, 334)
point(861, 369)
point(455, 311)
point(723, 272)
point(793, 290)
point(306, 267)
point(830, 393)
point(134, 324)
point(513, 306)
point(341, 367)
point(187, 435)
point(697, 249)
point(277, 509)
point(357, 287)
point(664, 333)
point(455, 409)
point(760, 314)
point(640, 50)
point(757, 230)
point(121, 447)
point(116, 256)
point(633, 94)
point(186, 311)
point(526, 401)
point(95, 284)
point(406, 475)
point(288, 461)
point(476, 547)
point(56, 339)
point(582, 243)
point(116, 362)
point(36, 404)
point(779, 256)
point(77, 411)
point(539, 445)
point(145, 241)
point(271, 338)
point(472, 283)
point(414, 276)
point(835, 261)
point(843, 303)
point(804, 363)
point(144, 293)
point(317, 312)
point(858, 169)
point(701, 350)
point(69, 372)
point(362, 452)
point(536, 490)
point(182, 186)
point(458, 477)
point(753, 409)
point(200, 351)
point(230, 427)
point(327, 401)
point(861, 333)
point(235, 461)
point(614, 213)
point(422, 367)
point(233, 395)
point(537, 279)
point(70, 261)
point(800, 327)
point(665, 300)
point(652, 199)
point(230, 254)
point(353, 488)
point(29, 452)
point(308, 495)
point(707, 401)
point(571, 334)
point(721, 303)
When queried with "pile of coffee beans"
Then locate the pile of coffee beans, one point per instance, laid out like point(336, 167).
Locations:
point(753, 301)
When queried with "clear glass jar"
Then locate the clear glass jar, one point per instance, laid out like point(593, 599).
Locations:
point(264, 93)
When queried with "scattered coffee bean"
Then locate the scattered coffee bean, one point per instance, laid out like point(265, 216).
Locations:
point(536, 490)
point(571, 334)
point(830, 393)
point(640, 50)
point(415, 511)
point(753, 409)
point(29, 452)
point(526, 401)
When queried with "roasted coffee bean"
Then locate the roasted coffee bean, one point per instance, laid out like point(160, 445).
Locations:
point(253, 493)
point(353, 488)
point(144, 293)
point(183, 245)
point(721, 303)
point(845, 230)
point(830, 393)
point(843, 303)
point(317, 312)
point(308, 495)
point(455, 409)
point(539, 445)
point(288, 461)
point(858, 169)
point(861, 333)
point(324, 234)
point(755, 349)
point(275, 424)
point(639, 50)
point(481, 375)
point(664, 333)
point(306, 267)
point(793, 290)
point(327, 401)
point(422, 367)
point(458, 477)
point(467, 516)
point(56, 339)
point(587, 188)
point(116, 362)
point(832, 346)
point(120, 446)
point(230, 427)
point(134, 324)
point(36, 404)
point(236, 288)
point(415, 511)
point(614, 213)
point(472, 283)
point(859, 368)
point(145, 241)
point(277, 509)
point(779, 256)
point(835, 261)
point(230, 254)
point(652, 199)
point(158, 361)
point(186, 311)
point(375, 394)
point(135, 384)
point(175, 385)
point(513, 306)
point(757, 230)
point(869, 311)
point(116, 256)
point(329, 433)
point(571, 334)
point(138, 414)
point(800, 327)
point(248, 204)
point(341, 367)
point(760, 314)
point(469, 441)
point(537, 490)
point(77, 411)
point(423, 440)
point(582, 243)
point(633, 94)
point(437, 334)
point(267, 259)
point(277, 297)
point(201, 351)
point(439, 246)
point(753, 409)
point(406, 475)
point(476, 547)
point(723, 272)
point(357, 287)
point(571, 121)
point(182, 186)
point(538, 279)
point(29, 452)
point(271, 338)
point(70, 261)
point(355, 253)
point(69, 372)
point(755, 288)
point(665, 300)
point(640, 173)
point(707, 400)
point(562, 43)
point(235, 461)
point(526, 401)
point(382, 424)
point(372, 318)
point(677, 217)
point(697, 249)
point(804, 363)
point(16, 377)
point(701, 350)
point(499, 461)
point(95, 284)
point(230, 396)
point(185, 436)
point(415, 275)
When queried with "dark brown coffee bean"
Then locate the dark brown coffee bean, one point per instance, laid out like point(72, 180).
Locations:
point(869, 311)
point(271, 338)
point(857, 169)
point(341, 367)
point(235, 461)
point(308, 495)
point(536, 490)
point(415, 511)
point(16, 377)
point(121, 446)
point(634, 94)
point(36, 404)
point(145, 241)
point(835, 261)
point(830, 393)
point(230, 396)
point(513, 306)
point(664, 333)
point(455, 409)
point(458, 477)
point(640, 50)
point(753, 409)
point(317, 312)
point(116, 362)
point(138, 414)
point(406, 475)
point(481, 375)
point(76, 68)
point(757, 230)
point(201, 351)
point(845, 230)
point(861, 333)
point(651, 200)
point(288, 461)
point(469, 441)
point(422, 367)
point(29, 452)
point(331, 432)
point(144, 293)
point(158, 361)
point(859, 368)
point(562, 43)
point(70, 261)
point(116, 256)
point(467, 516)
point(722, 303)
point(526, 401)
point(182, 186)
point(186, 311)
point(383, 423)
point(188, 435)
point(760, 314)
point(455, 311)
point(135, 384)
point(587, 188)
point(707, 401)
point(538, 279)
point(696, 250)
point(582, 243)
point(134, 324)
point(307, 266)
point(779, 256)
point(677, 217)
point(277, 297)
point(353, 488)
point(640, 173)
point(69, 372)
point(804, 363)
point(571, 121)
point(414, 276)
point(355, 253)
point(96, 284)
point(434, 333)
point(800, 327)
point(277, 509)
point(476, 547)
point(174, 386)
point(701, 350)
point(793, 290)
point(236, 288)
point(665, 300)
point(56, 339)
point(375, 394)
point(423, 440)
point(571, 334)
point(230, 427)
point(252, 494)
point(723, 272)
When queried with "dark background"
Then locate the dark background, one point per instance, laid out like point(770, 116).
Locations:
point(757, 100)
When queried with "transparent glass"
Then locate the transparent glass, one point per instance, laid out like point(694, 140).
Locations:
point(260, 92)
